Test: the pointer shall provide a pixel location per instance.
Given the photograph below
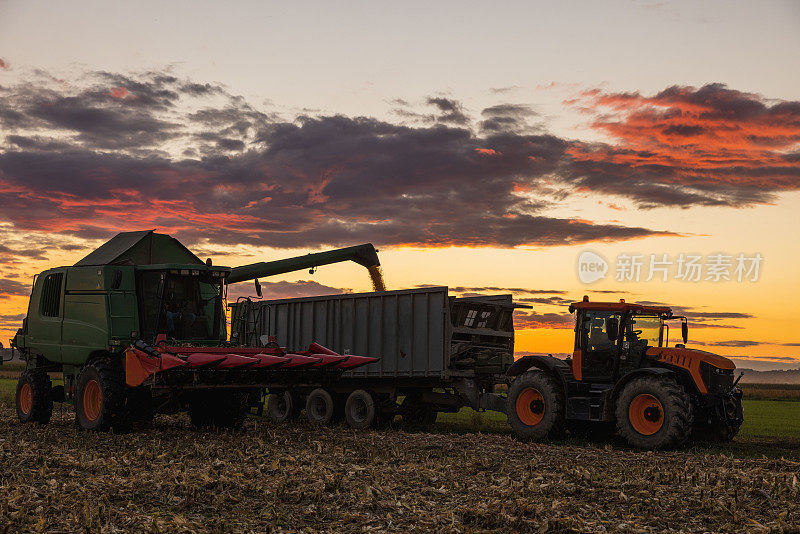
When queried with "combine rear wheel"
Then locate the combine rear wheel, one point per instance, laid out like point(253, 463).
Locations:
point(360, 410)
point(654, 413)
point(100, 400)
point(283, 407)
point(320, 409)
point(535, 406)
point(34, 397)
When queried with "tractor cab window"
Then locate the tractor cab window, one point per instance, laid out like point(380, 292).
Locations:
point(595, 332)
point(599, 350)
point(182, 307)
point(644, 328)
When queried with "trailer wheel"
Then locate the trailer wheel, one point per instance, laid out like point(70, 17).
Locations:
point(654, 413)
point(34, 397)
point(360, 409)
point(100, 400)
point(535, 406)
point(282, 407)
point(320, 407)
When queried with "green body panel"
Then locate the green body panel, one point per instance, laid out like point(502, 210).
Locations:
point(44, 332)
point(140, 248)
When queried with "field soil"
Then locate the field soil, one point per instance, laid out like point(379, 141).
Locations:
point(170, 478)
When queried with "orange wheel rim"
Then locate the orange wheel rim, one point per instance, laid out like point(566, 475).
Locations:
point(25, 398)
point(92, 400)
point(530, 406)
point(646, 414)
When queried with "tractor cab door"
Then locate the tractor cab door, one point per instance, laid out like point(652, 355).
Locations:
point(597, 343)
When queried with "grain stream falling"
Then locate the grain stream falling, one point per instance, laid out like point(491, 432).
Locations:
point(376, 275)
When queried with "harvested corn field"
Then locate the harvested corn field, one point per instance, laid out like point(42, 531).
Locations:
point(288, 478)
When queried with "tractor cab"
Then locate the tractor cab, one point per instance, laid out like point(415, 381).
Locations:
point(611, 338)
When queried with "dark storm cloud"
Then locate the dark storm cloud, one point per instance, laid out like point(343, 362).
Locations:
point(506, 118)
point(89, 161)
point(733, 343)
point(450, 110)
point(526, 320)
point(12, 288)
point(283, 290)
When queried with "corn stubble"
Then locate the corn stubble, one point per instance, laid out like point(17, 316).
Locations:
point(288, 478)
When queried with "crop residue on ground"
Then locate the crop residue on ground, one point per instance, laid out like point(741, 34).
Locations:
point(270, 477)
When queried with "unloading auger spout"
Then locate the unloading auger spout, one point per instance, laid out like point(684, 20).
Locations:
point(364, 255)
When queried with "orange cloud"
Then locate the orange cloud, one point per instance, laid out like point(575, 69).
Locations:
point(707, 137)
point(119, 93)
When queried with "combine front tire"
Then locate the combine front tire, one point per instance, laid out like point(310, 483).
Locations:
point(654, 413)
point(360, 410)
point(34, 397)
point(100, 400)
point(283, 407)
point(320, 409)
point(535, 406)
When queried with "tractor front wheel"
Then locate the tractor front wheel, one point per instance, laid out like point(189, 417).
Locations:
point(34, 397)
point(535, 406)
point(654, 412)
point(100, 400)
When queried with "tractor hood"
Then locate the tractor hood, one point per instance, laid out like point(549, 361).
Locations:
point(690, 359)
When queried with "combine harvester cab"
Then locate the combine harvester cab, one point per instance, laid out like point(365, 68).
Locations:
point(138, 326)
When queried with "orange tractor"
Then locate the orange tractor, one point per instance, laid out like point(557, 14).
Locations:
point(622, 370)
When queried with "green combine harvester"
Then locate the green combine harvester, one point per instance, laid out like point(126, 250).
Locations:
point(138, 327)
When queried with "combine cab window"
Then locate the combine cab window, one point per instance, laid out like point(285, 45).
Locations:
point(51, 295)
point(182, 307)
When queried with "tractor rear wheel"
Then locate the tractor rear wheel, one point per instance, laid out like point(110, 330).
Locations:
point(34, 397)
point(360, 409)
point(535, 406)
point(283, 407)
point(320, 407)
point(654, 412)
point(100, 400)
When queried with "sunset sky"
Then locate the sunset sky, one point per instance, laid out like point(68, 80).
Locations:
point(482, 146)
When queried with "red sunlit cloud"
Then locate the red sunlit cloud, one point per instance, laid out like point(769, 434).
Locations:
point(4, 64)
point(707, 137)
point(119, 93)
